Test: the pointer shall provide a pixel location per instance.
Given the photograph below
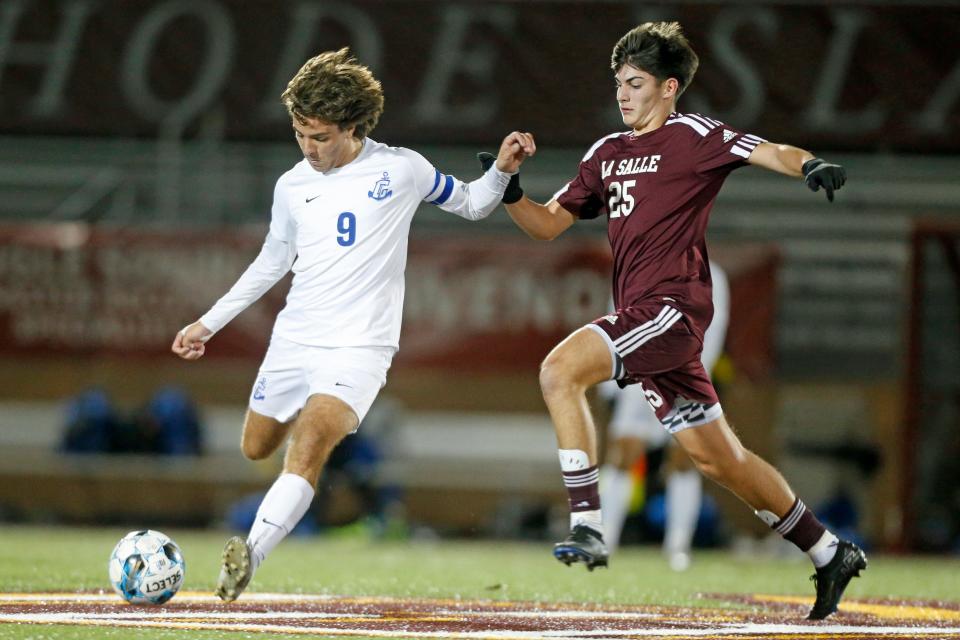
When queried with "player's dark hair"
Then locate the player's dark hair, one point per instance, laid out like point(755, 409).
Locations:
point(335, 88)
point(660, 49)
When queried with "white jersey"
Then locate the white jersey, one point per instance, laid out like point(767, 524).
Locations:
point(344, 233)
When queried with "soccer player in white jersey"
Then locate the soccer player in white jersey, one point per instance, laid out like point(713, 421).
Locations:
point(340, 221)
point(634, 429)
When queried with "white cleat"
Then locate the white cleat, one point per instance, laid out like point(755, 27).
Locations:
point(235, 570)
point(679, 561)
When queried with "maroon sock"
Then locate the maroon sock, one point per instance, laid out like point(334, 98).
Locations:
point(583, 489)
point(800, 526)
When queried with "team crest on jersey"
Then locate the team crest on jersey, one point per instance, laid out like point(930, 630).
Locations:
point(728, 135)
point(381, 190)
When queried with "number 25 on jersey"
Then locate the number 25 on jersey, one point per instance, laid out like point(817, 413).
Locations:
point(620, 202)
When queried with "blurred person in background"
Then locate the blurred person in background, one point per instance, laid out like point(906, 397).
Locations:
point(340, 221)
point(656, 183)
point(634, 429)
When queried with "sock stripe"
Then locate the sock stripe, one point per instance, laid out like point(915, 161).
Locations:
point(582, 480)
point(790, 520)
point(583, 488)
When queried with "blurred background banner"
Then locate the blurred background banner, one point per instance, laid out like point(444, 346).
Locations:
point(815, 73)
point(107, 291)
point(88, 290)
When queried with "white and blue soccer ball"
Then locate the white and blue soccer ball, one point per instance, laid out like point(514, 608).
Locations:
point(146, 567)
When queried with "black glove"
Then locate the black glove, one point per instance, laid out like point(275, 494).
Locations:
point(820, 173)
point(513, 192)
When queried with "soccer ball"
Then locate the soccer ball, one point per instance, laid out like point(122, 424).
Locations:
point(146, 567)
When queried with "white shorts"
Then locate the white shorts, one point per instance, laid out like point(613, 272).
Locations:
point(633, 418)
point(293, 372)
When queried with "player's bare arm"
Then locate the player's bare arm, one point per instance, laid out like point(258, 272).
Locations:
point(540, 221)
point(782, 158)
point(795, 162)
point(189, 343)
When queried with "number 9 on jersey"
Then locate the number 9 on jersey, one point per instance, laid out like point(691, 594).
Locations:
point(347, 227)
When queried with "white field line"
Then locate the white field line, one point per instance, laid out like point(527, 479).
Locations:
point(107, 597)
point(227, 620)
point(554, 613)
point(202, 615)
point(174, 620)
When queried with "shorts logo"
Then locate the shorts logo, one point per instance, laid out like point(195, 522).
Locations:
point(612, 318)
point(728, 135)
point(259, 392)
point(381, 190)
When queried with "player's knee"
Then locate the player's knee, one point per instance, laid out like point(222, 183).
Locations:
point(556, 376)
point(256, 450)
point(722, 467)
point(552, 379)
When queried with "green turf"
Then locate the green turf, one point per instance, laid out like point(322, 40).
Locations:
point(64, 559)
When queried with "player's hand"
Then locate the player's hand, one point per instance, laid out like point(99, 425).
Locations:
point(513, 192)
point(189, 341)
point(820, 173)
point(514, 149)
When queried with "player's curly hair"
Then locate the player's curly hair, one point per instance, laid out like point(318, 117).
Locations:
point(335, 88)
point(660, 49)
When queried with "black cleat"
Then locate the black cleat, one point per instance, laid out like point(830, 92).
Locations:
point(832, 579)
point(582, 545)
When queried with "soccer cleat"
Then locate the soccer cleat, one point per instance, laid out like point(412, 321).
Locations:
point(582, 545)
point(679, 560)
point(833, 578)
point(235, 570)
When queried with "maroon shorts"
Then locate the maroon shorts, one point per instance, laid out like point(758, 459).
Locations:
point(652, 345)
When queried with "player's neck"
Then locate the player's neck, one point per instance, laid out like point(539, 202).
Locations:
point(356, 146)
point(652, 122)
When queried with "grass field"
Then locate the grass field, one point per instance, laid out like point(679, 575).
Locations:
point(74, 560)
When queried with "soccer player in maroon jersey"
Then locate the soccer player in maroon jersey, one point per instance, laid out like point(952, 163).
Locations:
point(656, 184)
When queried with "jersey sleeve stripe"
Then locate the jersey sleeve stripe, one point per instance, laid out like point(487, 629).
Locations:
point(707, 122)
point(596, 145)
point(436, 189)
point(561, 191)
point(447, 190)
point(690, 122)
point(740, 151)
point(752, 138)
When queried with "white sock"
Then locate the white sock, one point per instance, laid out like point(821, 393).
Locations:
point(823, 550)
point(282, 508)
point(616, 489)
point(684, 495)
point(591, 518)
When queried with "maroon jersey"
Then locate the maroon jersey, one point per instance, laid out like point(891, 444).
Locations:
point(657, 190)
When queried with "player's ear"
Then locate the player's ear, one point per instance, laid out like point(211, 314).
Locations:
point(670, 88)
